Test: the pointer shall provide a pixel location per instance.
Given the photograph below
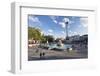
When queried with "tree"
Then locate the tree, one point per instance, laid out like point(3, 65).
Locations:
point(43, 39)
point(34, 33)
point(49, 38)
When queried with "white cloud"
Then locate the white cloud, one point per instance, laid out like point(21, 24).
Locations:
point(63, 32)
point(70, 31)
point(70, 22)
point(50, 30)
point(75, 33)
point(35, 19)
point(54, 19)
point(62, 24)
point(66, 19)
point(50, 33)
point(84, 21)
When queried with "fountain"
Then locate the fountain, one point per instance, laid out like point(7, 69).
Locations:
point(60, 43)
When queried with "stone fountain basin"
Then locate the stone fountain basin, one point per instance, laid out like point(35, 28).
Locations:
point(56, 47)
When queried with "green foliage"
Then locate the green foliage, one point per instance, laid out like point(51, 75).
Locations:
point(43, 39)
point(49, 38)
point(34, 33)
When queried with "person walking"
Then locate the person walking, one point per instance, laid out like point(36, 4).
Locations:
point(40, 55)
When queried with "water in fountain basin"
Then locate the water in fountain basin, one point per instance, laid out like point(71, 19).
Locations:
point(63, 47)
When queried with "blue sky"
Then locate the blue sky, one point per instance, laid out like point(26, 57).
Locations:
point(55, 25)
